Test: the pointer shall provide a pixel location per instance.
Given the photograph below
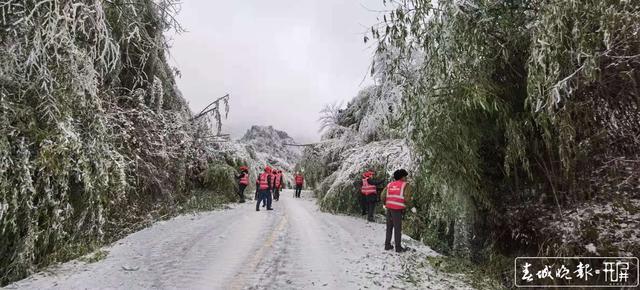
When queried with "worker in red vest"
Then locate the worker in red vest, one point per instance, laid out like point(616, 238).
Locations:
point(274, 176)
point(281, 180)
point(277, 185)
point(396, 197)
point(243, 181)
point(272, 182)
point(263, 187)
point(368, 186)
point(299, 179)
point(274, 173)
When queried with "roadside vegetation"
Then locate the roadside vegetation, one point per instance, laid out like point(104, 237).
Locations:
point(96, 141)
point(522, 121)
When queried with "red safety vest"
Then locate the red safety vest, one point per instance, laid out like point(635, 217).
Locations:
point(278, 180)
point(244, 180)
point(273, 180)
point(281, 180)
point(395, 195)
point(299, 179)
point(367, 189)
point(263, 181)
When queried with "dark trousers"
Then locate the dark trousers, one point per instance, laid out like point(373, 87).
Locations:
point(264, 196)
point(298, 190)
point(371, 201)
point(368, 204)
point(241, 189)
point(394, 224)
point(267, 197)
point(276, 194)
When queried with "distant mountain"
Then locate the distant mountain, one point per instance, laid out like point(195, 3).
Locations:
point(271, 145)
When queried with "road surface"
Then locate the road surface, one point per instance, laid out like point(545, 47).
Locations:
point(293, 247)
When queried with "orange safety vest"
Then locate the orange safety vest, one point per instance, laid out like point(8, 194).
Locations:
point(244, 180)
point(395, 195)
point(263, 181)
point(367, 189)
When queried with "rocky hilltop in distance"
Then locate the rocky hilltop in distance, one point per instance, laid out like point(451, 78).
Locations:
point(264, 145)
point(270, 145)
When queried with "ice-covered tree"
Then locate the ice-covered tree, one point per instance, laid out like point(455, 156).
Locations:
point(512, 103)
point(95, 138)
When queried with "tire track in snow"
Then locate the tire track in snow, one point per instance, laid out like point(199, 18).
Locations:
point(241, 279)
point(191, 266)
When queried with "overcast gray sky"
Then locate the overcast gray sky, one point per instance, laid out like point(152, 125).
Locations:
point(281, 60)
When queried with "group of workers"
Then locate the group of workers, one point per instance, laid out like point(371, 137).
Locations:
point(268, 186)
point(396, 196)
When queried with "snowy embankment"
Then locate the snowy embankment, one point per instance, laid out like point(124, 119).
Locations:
point(294, 247)
point(601, 227)
point(386, 156)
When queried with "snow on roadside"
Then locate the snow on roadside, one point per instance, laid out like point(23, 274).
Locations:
point(601, 224)
point(361, 243)
point(411, 270)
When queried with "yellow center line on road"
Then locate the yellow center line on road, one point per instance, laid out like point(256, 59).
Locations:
point(239, 280)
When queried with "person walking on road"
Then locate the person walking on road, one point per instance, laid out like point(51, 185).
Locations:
point(278, 185)
point(368, 193)
point(299, 179)
point(272, 191)
point(263, 186)
point(271, 181)
point(396, 197)
point(243, 182)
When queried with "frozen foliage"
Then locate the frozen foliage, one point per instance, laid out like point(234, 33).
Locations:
point(57, 161)
point(374, 114)
point(337, 193)
point(520, 109)
point(95, 138)
point(602, 227)
point(380, 113)
point(367, 134)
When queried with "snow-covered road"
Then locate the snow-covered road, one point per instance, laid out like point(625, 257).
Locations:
point(293, 247)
